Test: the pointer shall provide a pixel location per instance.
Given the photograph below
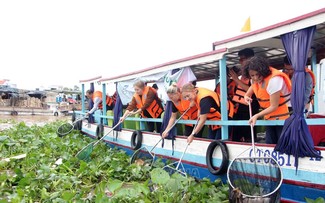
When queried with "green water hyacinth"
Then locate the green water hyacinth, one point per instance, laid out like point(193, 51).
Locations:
point(37, 165)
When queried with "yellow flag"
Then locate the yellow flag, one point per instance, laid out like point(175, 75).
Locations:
point(247, 25)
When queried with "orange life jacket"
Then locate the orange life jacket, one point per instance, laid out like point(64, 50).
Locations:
point(230, 94)
point(213, 114)
point(191, 114)
point(312, 93)
point(155, 108)
point(230, 89)
point(109, 100)
point(282, 112)
point(240, 92)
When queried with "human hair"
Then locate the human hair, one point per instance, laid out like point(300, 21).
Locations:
point(258, 64)
point(188, 87)
point(155, 86)
point(89, 92)
point(286, 60)
point(140, 84)
point(247, 53)
point(172, 89)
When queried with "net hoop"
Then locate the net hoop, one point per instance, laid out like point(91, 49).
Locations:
point(266, 156)
point(64, 129)
point(84, 154)
point(137, 155)
point(178, 164)
point(61, 131)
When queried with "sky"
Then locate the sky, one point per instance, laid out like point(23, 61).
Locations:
point(45, 43)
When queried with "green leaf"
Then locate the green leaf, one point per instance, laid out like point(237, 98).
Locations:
point(23, 140)
point(10, 143)
point(67, 195)
point(24, 181)
point(44, 194)
point(159, 176)
point(2, 138)
point(172, 185)
point(142, 188)
point(114, 185)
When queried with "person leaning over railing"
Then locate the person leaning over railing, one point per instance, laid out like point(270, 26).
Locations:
point(147, 103)
point(97, 98)
point(272, 88)
point(208, 104)
point(182, 106)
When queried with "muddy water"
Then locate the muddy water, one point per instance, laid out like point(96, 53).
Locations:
point(6, 121)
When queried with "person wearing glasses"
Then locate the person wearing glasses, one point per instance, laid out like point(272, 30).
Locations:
point(242, 133)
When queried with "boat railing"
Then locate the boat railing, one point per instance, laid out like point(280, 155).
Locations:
point(309, 121)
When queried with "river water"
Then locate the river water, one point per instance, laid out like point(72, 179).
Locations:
point(6, 121)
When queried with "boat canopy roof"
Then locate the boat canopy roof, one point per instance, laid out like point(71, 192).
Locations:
point(90, 80)
point(265, 41)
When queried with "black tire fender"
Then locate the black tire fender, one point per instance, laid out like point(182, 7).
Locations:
point(80, 125)
point(14, 113)
point(100, 131)
point(225, 157)
point(75, 126)
point(73, 117)
point(136, 139)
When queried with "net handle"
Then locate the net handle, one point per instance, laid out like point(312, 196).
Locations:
point(180, 160)
point(79, 119)
point(179, 118)
point(252, 127)
point(171, 127)
point(110, 131)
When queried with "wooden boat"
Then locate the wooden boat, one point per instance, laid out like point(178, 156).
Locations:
point(208, 158)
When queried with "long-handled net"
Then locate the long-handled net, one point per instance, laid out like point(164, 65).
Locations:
point(144, 156)
point(66, 128)
point(178, 167)
point(84, 153)
point(254, 176)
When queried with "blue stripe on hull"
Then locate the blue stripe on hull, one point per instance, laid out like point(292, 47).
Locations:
point(298, 193)
point(288, 192)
